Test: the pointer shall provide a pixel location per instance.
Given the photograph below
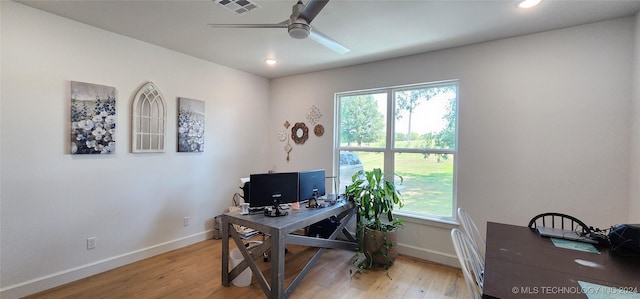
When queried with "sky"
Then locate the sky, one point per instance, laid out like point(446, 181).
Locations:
point(427, 117)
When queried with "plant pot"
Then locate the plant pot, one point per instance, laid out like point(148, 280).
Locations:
point(374, 246)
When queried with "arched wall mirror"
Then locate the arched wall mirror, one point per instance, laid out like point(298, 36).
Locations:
point(149, 120)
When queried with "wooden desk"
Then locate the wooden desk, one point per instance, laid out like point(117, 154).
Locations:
point(521, 264)
point(279, 230)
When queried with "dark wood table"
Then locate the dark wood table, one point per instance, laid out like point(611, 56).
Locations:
point(521, 264)
point(279, 230)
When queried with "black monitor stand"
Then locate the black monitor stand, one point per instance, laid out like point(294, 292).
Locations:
point(275, 212)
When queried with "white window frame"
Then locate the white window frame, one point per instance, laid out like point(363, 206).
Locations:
point(389, 149)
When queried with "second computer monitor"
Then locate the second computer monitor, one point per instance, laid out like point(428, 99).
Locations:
point(268, 189)
point(310, 182)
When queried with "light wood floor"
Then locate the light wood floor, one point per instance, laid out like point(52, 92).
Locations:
point(194, 272)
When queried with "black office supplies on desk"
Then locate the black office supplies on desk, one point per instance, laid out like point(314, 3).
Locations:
point(625, 239)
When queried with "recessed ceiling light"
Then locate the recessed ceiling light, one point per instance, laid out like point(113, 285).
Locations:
point(270, 61)
point(528, 3)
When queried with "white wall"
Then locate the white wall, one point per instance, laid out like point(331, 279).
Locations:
point(544, 125)
point(133, 203)
point(634, 194)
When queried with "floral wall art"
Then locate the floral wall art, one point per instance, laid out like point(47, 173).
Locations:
point(93, 118)
point(190, 125)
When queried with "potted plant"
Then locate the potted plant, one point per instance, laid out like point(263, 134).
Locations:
point(375, 197)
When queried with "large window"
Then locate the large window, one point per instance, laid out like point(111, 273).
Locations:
point(408, 131)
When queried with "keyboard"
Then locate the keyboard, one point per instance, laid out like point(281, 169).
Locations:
point(563, 234)
point(256, 210)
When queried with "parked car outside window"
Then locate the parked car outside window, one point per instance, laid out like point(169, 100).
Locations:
point(349, 164)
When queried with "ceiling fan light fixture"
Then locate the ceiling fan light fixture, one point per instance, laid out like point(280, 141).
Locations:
point(299, 30)
point(298, 24)
point(528, 3)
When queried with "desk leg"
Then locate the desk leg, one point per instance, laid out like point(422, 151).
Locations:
point(277, 264)
point(225, 251)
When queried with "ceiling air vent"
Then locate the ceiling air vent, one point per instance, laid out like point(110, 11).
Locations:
point(238, 6)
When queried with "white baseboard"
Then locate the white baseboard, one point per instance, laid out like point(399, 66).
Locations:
point(56, 279)
point(429, 255)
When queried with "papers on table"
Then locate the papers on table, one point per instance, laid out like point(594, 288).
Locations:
point(574, 245)
point(245, 232)
point(596, 291)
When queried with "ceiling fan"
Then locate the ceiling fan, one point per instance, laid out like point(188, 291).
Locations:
point(299, 25)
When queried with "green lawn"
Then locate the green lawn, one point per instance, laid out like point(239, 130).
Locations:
point(427, 185)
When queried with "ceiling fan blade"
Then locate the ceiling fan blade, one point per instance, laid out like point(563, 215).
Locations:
point(328, 42)
point(312, 9)
point(279, 25)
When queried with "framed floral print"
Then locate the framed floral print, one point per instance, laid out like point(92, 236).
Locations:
point(190, 125)
point(93, 118)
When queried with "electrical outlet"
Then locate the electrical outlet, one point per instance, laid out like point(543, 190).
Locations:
point(186, 221)
point(91, 243)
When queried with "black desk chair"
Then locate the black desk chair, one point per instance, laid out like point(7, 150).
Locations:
point(561, 221)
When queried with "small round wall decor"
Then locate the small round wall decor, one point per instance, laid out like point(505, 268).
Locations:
point(282, 135)
point(318, 130)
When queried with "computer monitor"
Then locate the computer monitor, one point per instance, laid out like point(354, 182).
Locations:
point(273, 189)
point(311, 182)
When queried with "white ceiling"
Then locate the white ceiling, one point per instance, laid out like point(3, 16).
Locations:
point(372, 29)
